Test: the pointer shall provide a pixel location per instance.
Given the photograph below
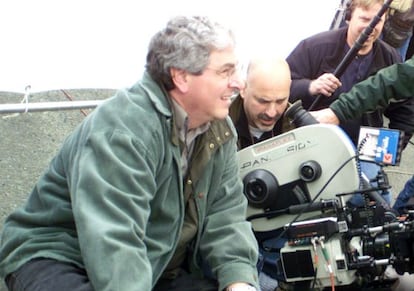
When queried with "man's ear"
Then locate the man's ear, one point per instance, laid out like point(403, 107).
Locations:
point(243, 92)
point(180, 79)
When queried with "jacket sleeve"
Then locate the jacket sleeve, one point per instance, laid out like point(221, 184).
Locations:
point(110, 217)
point(300, 63)
point(395, 82)
point(228, 243)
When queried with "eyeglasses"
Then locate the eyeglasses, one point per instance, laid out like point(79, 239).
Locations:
point(227, 71)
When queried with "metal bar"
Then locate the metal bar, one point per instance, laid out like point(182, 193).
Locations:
point(48, 106)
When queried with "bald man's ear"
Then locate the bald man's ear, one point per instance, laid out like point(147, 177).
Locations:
point(180, 79)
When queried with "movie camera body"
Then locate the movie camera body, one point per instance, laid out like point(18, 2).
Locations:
point(300, 182)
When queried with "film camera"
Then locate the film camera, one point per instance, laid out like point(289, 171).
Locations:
point(300, 183)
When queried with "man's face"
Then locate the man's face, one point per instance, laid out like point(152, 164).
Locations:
point(265, 102)
point(360, 19)
point(209, 95)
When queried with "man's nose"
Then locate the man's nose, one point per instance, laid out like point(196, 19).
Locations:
point(236, 81)
point(271, 110)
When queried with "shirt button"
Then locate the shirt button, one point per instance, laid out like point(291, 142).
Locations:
point(189, 182)
point(212, 146)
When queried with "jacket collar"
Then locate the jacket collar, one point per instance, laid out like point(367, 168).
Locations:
point(239, 118)
point(219, 131)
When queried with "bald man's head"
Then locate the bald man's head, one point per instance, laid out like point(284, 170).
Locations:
point(267, 90)
point(268, 71)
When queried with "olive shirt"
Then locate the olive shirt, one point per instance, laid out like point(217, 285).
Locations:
point(112, 199)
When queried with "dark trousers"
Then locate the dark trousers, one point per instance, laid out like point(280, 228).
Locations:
point(48, 275)
point(51, 275)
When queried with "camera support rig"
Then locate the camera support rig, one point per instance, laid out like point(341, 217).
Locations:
point(299, 182)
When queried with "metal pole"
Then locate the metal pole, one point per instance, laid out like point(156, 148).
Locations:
point(48, 106)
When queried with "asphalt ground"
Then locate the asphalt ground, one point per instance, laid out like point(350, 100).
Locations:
point(29, 141)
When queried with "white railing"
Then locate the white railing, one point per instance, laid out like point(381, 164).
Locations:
point(25, 106)
point(47, 106)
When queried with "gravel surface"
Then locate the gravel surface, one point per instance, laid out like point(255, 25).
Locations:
point(30, 140)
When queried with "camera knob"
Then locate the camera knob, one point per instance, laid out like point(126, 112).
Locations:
point(309, 171)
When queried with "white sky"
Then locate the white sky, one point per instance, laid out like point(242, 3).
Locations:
point(60, 44)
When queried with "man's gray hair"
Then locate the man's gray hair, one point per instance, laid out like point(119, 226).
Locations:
point(185, 43)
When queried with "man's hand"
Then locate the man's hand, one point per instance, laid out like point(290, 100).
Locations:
point(240, 287)
point(325, 116)
point(326, 85)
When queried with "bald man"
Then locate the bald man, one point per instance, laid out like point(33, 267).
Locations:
point(258, 112)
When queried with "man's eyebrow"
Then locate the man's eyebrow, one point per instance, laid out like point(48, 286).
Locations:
point(266, 99)
point(262, 98)
point(228, 65)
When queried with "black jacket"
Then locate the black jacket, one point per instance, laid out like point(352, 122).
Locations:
point(322, 53)
point(245, 139)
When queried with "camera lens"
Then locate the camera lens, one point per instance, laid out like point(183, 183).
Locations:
point(260, 188)
point(299, 116)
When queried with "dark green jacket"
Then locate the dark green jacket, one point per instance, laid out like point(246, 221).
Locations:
point(323, 53)
point(390, 84)
point(112, 201)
